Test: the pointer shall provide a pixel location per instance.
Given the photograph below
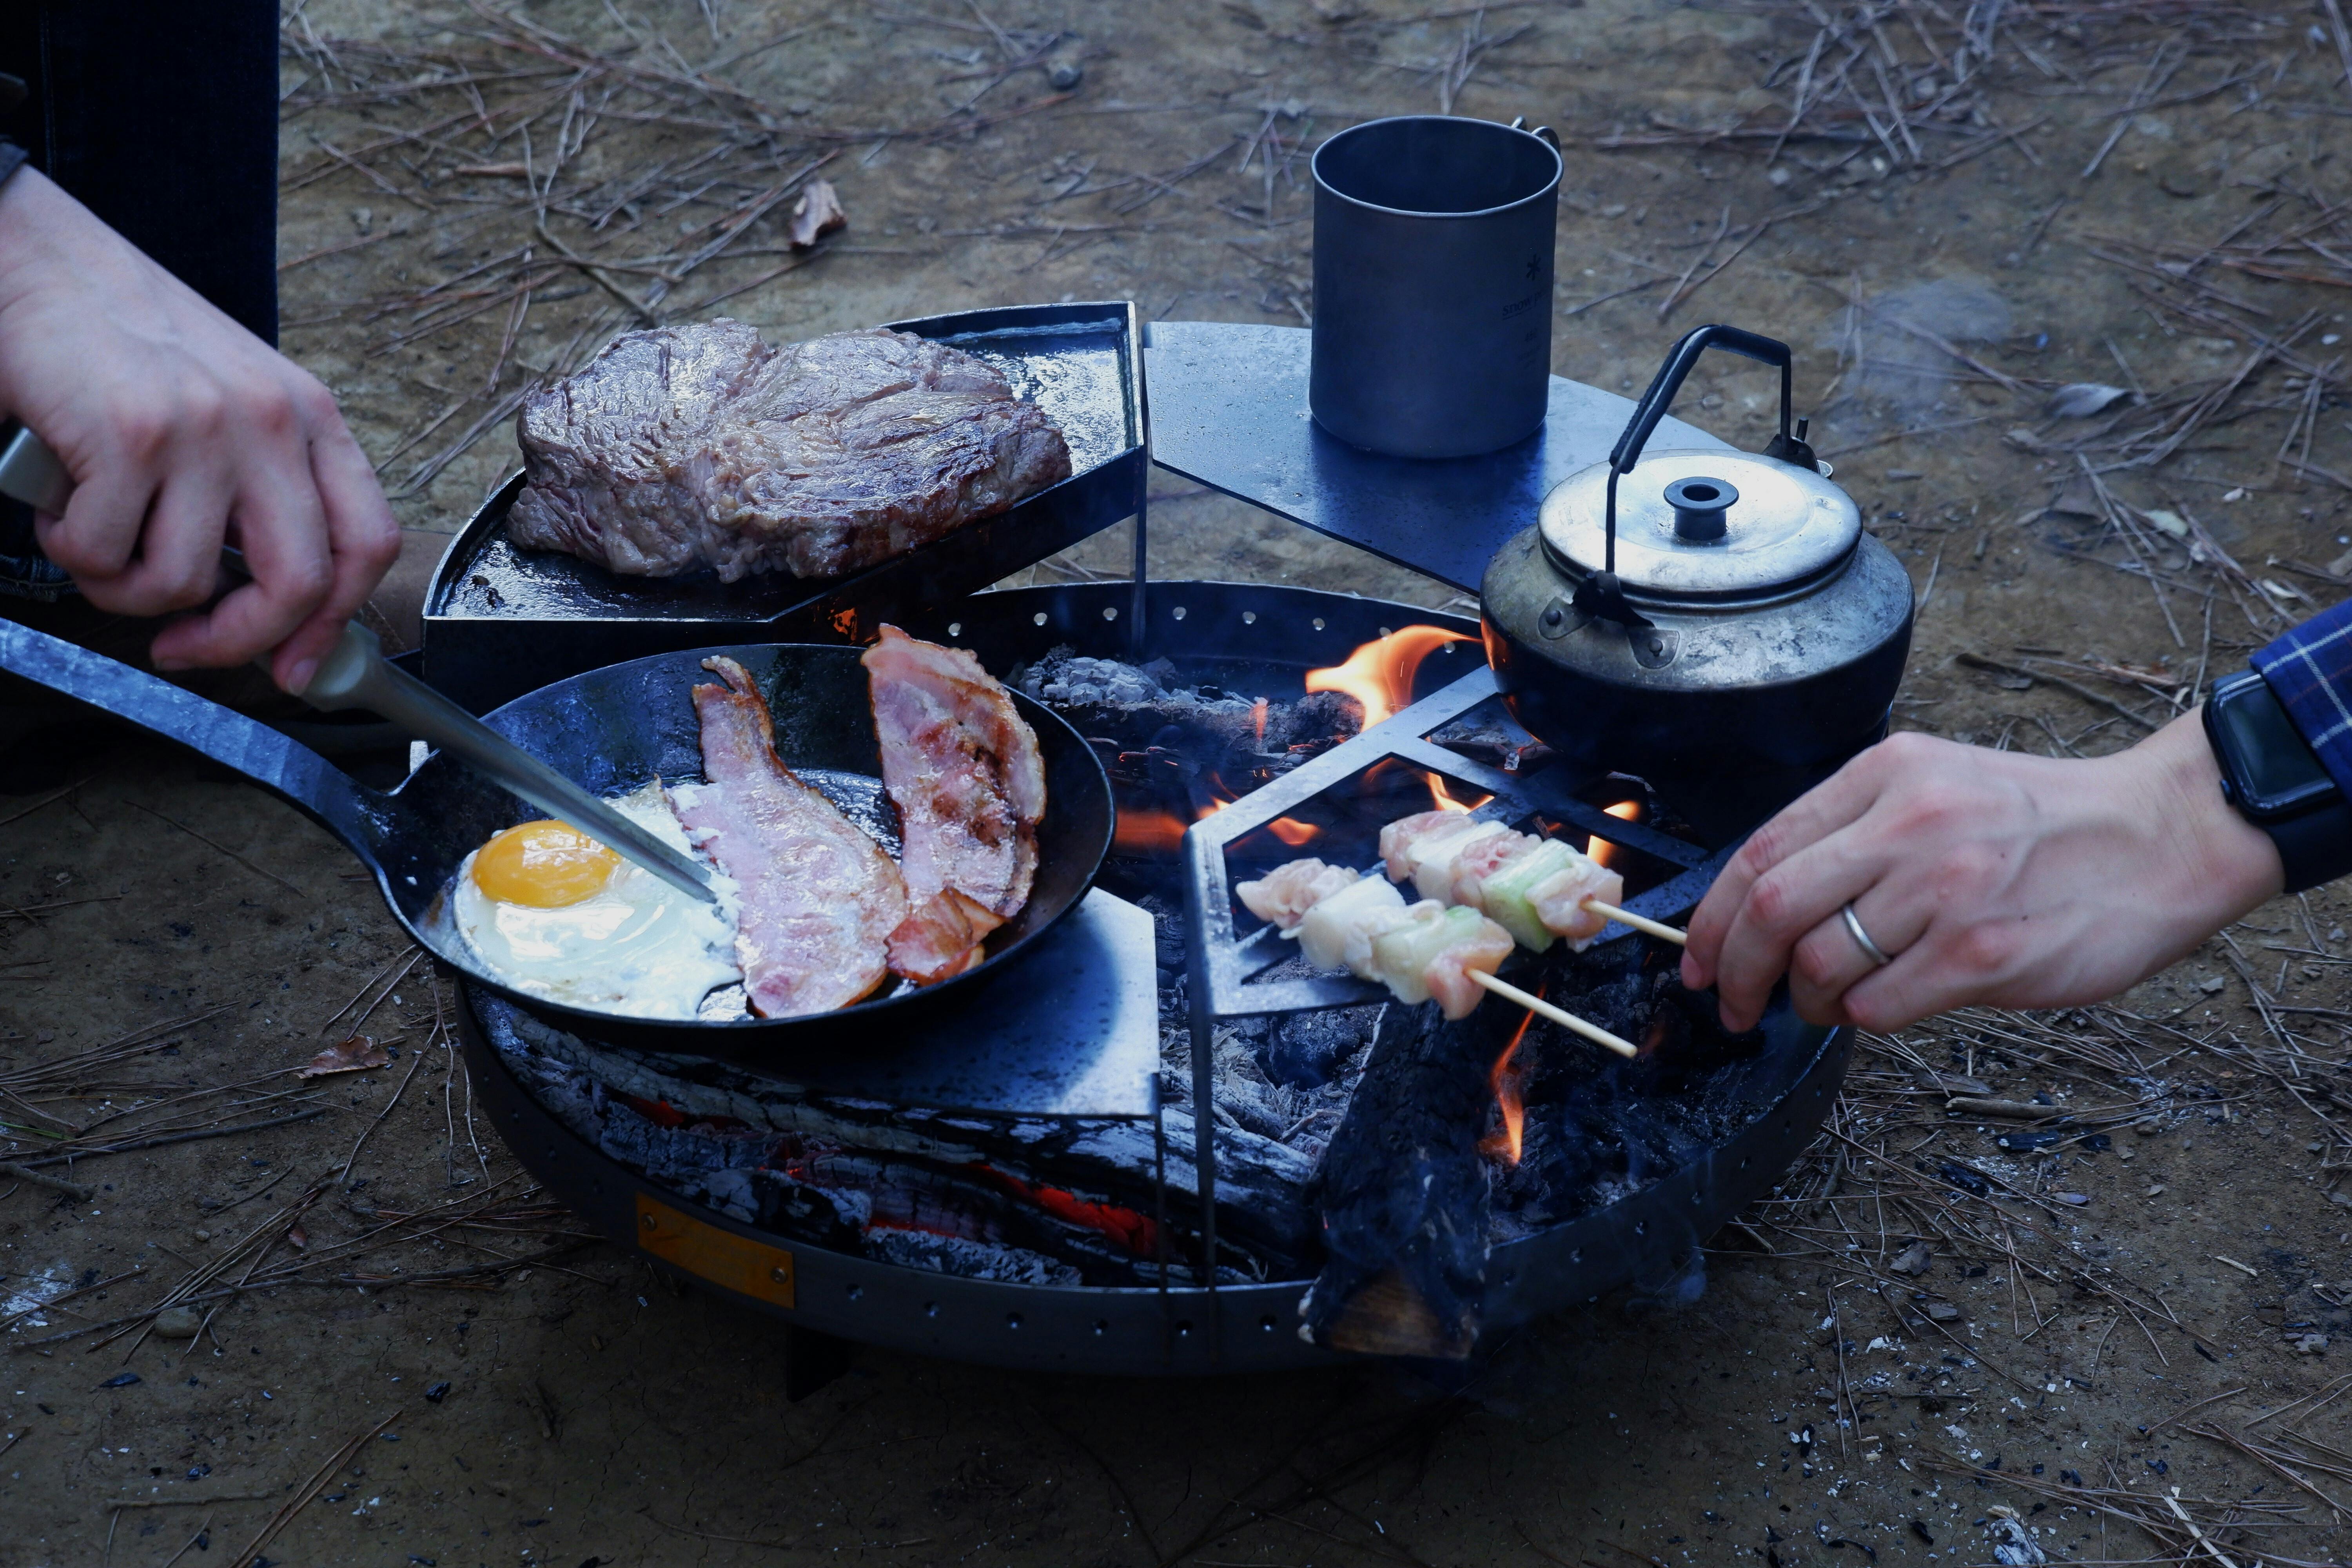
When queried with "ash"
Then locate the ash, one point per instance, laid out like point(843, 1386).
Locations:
point(1286, 1077)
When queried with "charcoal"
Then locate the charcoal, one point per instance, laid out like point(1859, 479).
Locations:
point(1150, 723)
point(1403, 1192)
point(1307, 1050)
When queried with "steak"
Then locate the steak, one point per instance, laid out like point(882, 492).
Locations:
point(680, 448)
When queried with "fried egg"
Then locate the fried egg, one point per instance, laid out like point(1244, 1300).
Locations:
point(553, 914)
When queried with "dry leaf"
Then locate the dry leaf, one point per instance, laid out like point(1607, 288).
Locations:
point(2081, 399)
point(355, 1055)
point(817, 214)
point(300, 1237)
point(2171, 523)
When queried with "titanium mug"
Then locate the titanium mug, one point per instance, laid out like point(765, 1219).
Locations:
point(1432, 284)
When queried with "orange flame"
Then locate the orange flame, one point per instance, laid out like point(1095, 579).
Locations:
point(1380, 673)
point(1505, 1142)
point(1257, 721)
point(1443, 799)
point(1599, 848)
point(1146, 833)
point(1295, 834)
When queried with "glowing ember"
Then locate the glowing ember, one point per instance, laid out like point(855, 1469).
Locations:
point(1599, 849)
point(1380, 673)
point(1504, 1143)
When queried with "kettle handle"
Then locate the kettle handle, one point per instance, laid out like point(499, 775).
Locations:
point(1787, 447)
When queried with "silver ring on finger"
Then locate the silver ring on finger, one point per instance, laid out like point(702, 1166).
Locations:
point(1877, 956)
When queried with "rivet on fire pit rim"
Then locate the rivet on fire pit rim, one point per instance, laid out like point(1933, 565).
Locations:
point(931, 1309)
point(1183, 1328)
point(1011, 1319)
point(1038, 619)
point(649, 1221)
point(778, 1275)
point(1249, 618)
point(955, 628)
point(1641, 1227)
point(1318, 622)
point(1577, 1256)
point(1111, 612)
point(1179, 611)
point(1102, 1326)
point(1266, 1323)
point(854, 1291)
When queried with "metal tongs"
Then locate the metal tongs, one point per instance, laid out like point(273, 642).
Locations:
point(356, 674)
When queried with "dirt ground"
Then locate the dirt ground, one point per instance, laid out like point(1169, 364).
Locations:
point(575, 1409)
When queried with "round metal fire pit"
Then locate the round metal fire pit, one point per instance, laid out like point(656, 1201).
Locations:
point(1779, 1097)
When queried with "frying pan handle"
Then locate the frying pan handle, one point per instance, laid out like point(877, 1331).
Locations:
point(293, 771)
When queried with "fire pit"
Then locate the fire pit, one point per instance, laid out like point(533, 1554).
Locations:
point(1165, 1145)
point(987, 1227)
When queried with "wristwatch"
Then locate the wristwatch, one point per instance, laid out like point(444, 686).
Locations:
point(2270, 773)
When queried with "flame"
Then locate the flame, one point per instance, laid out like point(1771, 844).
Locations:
point(1380, 673)
point(1257, 721)
point(1146, 833)
point(1444, 801)
point(1599, 848)
point(1504, 1142)
point(1151, 832)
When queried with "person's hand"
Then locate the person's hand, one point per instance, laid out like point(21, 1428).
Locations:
point(1991, 877)
point(183, 432)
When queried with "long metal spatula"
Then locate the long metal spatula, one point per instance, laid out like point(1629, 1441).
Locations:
point(356, 674)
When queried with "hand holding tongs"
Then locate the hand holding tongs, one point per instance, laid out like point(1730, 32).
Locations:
point(356, 674)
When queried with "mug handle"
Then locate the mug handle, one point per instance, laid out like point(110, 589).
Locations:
point(1520, 122)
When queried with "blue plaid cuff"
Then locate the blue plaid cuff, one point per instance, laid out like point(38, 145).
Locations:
point(2310, 669)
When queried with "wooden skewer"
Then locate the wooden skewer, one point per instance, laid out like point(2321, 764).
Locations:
point(1566, 1020)
point(1639, 923)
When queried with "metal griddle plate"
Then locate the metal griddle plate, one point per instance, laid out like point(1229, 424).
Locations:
point(500, 621)
point(1181, 1331)
point(1229, 409)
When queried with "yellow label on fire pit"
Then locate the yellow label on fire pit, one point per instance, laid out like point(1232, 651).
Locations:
point(726, 1259)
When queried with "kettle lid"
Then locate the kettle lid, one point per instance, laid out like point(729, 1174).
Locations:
point(1703, 522)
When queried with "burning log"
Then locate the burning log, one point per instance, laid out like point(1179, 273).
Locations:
point(1403, 1190)
point(1150, 724)
point(1051, 1200)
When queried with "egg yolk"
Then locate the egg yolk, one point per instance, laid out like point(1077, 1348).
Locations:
point(543, 866)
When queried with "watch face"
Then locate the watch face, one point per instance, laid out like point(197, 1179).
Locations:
point(2272, 764)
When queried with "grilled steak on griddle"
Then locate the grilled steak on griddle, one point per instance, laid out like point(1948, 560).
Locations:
point(693, 446)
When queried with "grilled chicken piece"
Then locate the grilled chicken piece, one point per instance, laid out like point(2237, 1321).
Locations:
point(820, 898)
point(1284, 894)
point(962, 767)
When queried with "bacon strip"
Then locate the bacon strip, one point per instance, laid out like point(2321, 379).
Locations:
point(963, 768)
point(819, 897)
point(940, 937)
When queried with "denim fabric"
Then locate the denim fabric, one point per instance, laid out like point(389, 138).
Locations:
point(2310, 669)
point(163, 120)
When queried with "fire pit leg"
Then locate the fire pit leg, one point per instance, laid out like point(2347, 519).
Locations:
point(1204, 1146)
point(812, 1359)
point(1140, 603)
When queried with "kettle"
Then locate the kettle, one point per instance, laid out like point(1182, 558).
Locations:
point(1712, 621)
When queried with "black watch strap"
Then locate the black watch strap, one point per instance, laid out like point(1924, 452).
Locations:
point(2274, 780)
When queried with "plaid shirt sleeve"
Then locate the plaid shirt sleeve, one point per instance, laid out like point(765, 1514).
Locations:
point(2310, 669)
